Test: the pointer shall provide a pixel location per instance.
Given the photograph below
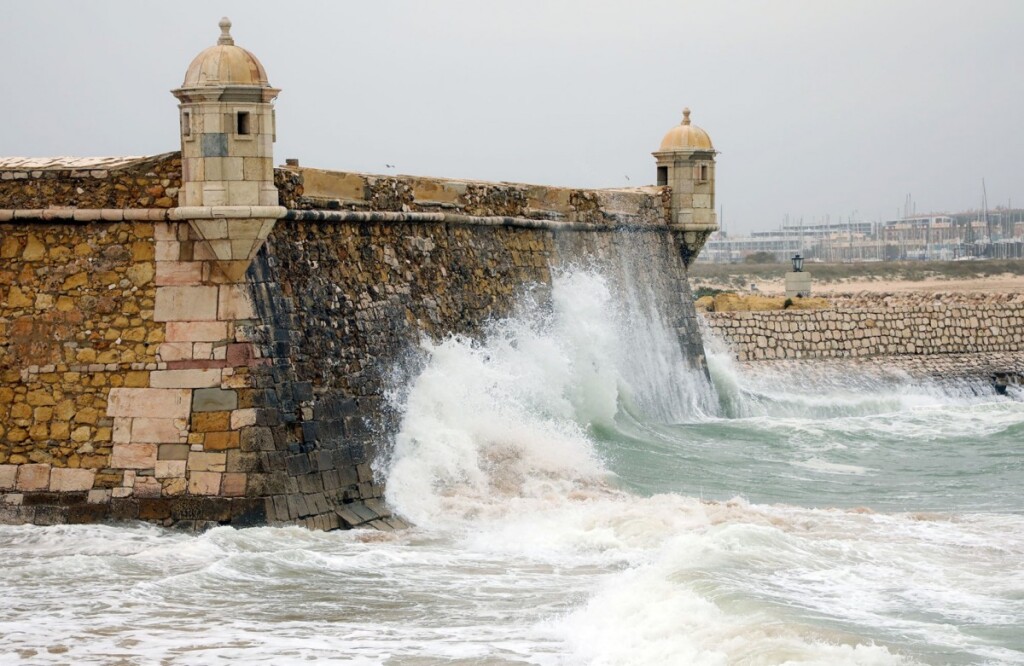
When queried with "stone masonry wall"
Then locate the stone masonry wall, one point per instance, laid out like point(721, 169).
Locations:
point(342, 307)
point(138, 382)
point(866, 326)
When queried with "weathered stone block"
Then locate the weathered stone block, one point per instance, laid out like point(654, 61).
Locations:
point(186, 303)
point(64, 480)
point(192, 378)
point(147, 486)
point(160, 403)
point(206, 462)
point(158, 431)
point(173, 452)
point(196, 331)
point(33, 476)
point(204, 483)
point(214, 400)
point(233, 485)
point(235, 303)
point(8, 475)
point(166, 469)
point(134, 456)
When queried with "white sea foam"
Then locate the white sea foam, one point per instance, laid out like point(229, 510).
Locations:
point(528, 549)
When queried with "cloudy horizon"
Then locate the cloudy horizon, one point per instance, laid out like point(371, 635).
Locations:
point(839, 108)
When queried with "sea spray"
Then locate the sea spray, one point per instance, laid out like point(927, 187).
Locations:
point(511, 413)
point(820, 520)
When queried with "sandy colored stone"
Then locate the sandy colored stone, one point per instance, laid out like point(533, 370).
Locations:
point(206, 462)
point(34, 249)
point(136, 455)
point(233, 485)
point(196, 331)
point(33, 477)
point(154, 402)
point(235, 303)
point(170, 468)
point(211, 421)
point(157, 430)
point(193, 378)
point(65, 480)
point(204, 483)
point(180, 303)
point(221, 441)
point(8, 476)
point(16, 298)
point(147, 486)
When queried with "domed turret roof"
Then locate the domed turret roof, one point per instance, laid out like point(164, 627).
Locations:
point(685, 136)
point(225, 65)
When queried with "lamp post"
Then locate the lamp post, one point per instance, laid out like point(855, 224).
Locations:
point(798, 283)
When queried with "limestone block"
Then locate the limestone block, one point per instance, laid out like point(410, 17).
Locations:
point(8, 475)
point(245, 229)
point(136, 455)
point(241, 193)
point(34, 476)
point(210, 229)
point(99, 496)
point(235, 303)
point(179, 303)
point(179, 273)
point(175, 351)
point(333, 184)
point(214, 400)
point(204, 483)
point(71, 480)
point(196, 331)
point(199, 461)
point(191, 378)
point(147, 486)
point(232, 168)
point(269, 196)
point(158, 431)
point(159, 403)
point(173, 452)
point(241, 418)
point(167, 469)
point(233, 485)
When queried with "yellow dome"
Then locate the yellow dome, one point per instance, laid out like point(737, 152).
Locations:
point(225, 65)
point(686, 137)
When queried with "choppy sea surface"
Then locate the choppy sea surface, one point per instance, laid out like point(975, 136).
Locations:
point(581, 496)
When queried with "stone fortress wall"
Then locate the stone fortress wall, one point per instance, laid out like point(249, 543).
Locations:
point(135, 385)
point(198, 338)
point(895, 326)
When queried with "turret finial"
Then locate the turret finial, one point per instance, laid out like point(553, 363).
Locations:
point(225, 32)
point(686, 116)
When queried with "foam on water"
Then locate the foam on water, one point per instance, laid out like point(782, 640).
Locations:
point(552, 468)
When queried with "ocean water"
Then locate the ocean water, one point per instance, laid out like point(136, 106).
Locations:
point(581, 496)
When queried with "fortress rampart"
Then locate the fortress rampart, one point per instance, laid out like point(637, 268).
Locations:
point(200, 338)
point(134, 386)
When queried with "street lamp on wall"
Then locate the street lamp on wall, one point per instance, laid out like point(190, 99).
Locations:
point(798, 263)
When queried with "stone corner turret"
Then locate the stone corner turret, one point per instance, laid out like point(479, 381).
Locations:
point(227, 149)
point(686, 164)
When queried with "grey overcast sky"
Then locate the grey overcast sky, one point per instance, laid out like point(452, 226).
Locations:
point(818, 107)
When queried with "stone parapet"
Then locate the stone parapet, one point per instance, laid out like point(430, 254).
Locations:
point(144, 182)
point(304, 188)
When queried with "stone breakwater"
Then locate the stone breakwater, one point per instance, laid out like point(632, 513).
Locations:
point(862, 326)
point(137, 383)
